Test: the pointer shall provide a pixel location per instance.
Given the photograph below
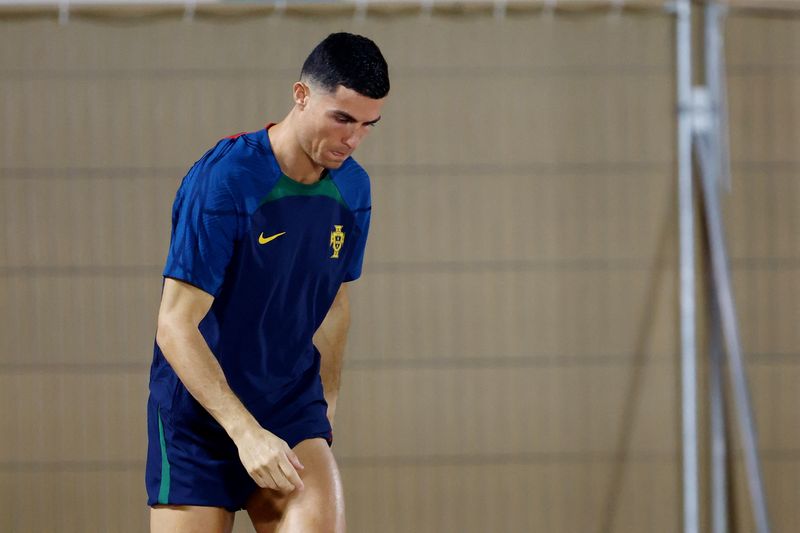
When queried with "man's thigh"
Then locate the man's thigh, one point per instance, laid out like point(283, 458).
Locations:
point(318, 508)
point(190, 519)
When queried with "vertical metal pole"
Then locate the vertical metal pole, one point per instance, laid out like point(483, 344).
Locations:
point(712, 81)
point(715, 81)
point(712, 149)
point(683, 36)
point(716, 167)
point(727, 312)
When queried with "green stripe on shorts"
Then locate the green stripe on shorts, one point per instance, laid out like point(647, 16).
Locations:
point(163, 491)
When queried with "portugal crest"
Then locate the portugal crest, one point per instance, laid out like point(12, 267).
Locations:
point(337, 240)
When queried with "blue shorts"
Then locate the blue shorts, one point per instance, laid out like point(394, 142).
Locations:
point(191, 460)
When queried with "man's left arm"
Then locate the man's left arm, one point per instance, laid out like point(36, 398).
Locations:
point(330, 340)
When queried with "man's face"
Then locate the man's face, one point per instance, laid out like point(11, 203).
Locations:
point(332, 125)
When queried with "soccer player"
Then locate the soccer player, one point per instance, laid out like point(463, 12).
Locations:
point(266, 228)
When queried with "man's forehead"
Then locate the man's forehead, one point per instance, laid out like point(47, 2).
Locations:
point(342, 93)
point(355, 105)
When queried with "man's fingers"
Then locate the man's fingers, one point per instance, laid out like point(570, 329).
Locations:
point(263, 479)
point(294, 460)
point(281, 483)
point(271, 463)
point(291, 474)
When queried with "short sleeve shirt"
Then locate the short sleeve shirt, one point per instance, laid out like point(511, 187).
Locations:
point(272, 251)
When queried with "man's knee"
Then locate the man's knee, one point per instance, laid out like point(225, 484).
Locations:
point(312, 521)
point(298, 514)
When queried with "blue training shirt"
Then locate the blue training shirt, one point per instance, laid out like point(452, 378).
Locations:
point(272, 251)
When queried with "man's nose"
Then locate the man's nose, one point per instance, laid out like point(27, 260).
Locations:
point(352, 140)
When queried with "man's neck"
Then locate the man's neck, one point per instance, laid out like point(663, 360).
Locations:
point(291, 157)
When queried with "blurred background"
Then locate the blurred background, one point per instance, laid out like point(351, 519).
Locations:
point(513, 363)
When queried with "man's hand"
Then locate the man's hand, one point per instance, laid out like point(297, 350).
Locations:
point(269, 460)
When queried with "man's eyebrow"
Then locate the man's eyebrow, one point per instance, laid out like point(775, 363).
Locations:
point(351, 118)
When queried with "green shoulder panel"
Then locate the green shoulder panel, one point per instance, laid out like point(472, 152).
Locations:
point(288, 187)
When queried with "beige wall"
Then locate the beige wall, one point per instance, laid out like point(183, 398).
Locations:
point(513, 359)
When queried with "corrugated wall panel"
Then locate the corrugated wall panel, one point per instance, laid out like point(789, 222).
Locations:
point(513, 359)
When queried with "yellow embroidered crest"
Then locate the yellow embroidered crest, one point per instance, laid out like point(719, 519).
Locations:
point(337, 240)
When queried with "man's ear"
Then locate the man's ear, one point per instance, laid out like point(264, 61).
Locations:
point(301, 92)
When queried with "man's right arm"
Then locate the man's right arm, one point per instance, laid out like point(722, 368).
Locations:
point(267, 458)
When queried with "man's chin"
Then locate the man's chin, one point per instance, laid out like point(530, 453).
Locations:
point(333, 164)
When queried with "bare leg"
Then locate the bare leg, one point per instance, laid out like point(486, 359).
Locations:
point(190, 519)
point(319, 508)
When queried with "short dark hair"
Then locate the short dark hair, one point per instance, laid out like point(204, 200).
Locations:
point(352, 61)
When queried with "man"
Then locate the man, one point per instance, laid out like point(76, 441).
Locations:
point(266, 227)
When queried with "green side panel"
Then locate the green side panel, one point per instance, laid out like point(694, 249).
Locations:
point(163, 491)
point(288, 187)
